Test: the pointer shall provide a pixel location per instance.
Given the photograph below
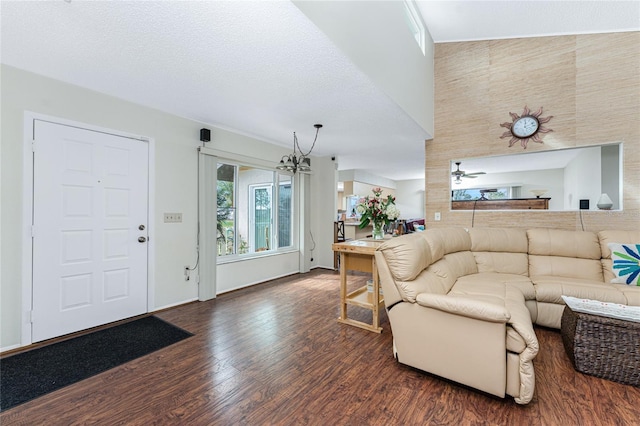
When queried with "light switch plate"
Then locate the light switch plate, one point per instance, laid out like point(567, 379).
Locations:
point(172, 217)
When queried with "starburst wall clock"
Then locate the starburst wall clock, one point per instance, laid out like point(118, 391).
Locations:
point(526, 127)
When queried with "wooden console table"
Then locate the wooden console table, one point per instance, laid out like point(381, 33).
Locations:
point(358, 255)
point(510, 204)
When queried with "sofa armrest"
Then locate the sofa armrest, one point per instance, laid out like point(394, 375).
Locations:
point(471, 308)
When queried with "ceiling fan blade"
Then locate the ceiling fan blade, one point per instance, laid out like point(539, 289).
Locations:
point(476, 173)
point(470, 176)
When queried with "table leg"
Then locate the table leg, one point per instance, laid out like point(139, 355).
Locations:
point(343, 286)
point(376, 294)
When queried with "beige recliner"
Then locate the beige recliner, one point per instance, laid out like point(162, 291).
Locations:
point(462, 303)
point(478, 335)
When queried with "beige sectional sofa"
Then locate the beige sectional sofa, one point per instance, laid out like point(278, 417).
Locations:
point(462, 303)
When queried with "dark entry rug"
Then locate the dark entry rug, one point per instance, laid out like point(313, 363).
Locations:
point(31, 374)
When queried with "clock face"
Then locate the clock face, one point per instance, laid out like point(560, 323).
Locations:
point(525, 126)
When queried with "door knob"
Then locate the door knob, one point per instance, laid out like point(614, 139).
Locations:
point(141, 239)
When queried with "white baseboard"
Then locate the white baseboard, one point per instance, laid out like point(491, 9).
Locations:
point(173, 305)
point(262, 281)
point(9, 348)
point(324, 267)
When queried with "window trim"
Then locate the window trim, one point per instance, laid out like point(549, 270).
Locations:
point(414, 23)
point(239, 161)
point(276, 217)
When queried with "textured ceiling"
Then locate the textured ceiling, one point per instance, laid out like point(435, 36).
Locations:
point(258, 68)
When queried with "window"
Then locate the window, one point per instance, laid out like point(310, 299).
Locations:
point(250, 200)
point(475, 194)
point(260, 217)
point(414, 22)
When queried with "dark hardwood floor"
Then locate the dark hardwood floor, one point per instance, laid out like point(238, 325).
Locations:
point(273, 354)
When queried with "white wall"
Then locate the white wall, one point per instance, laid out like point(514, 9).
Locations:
point(582, 179)
point(323, 210)
point(406, 74)
point(410, 198)
point(236, 275)
point(364, 177)
point(611, 163)
point(175, 161)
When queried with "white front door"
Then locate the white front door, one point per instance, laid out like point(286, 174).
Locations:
point(90, 209)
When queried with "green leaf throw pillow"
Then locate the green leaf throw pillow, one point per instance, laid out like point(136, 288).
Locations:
point(626, 263)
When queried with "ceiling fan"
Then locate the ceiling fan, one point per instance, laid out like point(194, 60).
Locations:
point(459, 174)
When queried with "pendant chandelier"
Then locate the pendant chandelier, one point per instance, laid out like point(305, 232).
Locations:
point(298, 163)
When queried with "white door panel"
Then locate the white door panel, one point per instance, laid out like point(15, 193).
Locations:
point(90, 198)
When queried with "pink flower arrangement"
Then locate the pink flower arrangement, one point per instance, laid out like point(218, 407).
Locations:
point(377, 210)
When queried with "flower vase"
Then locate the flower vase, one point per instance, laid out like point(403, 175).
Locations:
point(378, 231)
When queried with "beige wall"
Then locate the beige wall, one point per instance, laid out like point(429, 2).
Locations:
point(175, 190)
point(590, 84)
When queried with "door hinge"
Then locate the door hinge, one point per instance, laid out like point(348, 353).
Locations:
point(33, 146)
point(33, 231)
point(31, 317)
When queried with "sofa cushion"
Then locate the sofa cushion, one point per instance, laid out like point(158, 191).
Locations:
point(439, 277)
point(406, 256)
point(483, 281)
point(550, 289)
point(430, 280)
point(586, 269)
point(473, 287)
point(446, 240)
point(505, 240)
point(461, 263)
point(632, 293)
point(571, 254)
point(450, 268)
point(508, 263)
point(500, 250)
point(556, 242)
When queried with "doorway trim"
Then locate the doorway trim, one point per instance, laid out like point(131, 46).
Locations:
point(28, 204)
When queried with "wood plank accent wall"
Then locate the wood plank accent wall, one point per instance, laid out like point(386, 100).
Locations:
point(589, 83)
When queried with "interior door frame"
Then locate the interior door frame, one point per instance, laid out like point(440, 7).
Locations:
point(28, 205)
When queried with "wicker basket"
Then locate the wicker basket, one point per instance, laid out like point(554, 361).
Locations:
point(603, 347)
